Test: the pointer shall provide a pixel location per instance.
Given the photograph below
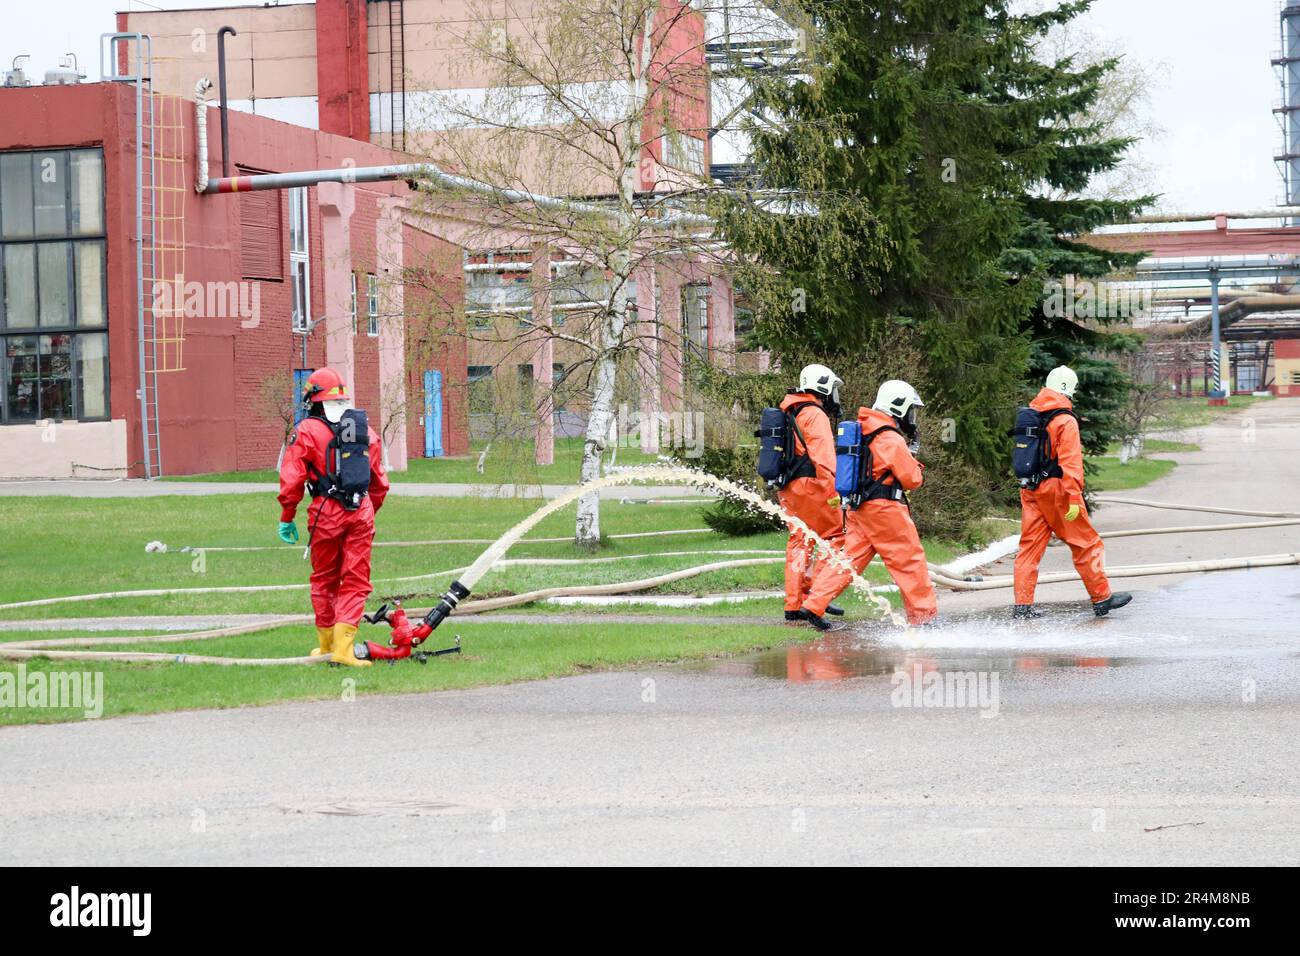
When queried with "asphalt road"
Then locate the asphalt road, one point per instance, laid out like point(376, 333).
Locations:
point(1165, 734)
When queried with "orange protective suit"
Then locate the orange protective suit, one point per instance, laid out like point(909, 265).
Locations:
point(1043, 510)
point(883, 527)
point(809, 499)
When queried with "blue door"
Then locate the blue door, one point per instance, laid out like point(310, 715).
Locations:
point(300, 376)
point(432, 414)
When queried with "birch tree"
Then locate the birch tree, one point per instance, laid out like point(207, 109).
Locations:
point(578, 144)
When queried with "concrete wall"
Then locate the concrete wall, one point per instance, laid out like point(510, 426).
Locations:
point(64, 450)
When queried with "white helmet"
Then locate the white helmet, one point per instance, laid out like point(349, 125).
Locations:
point(897, 398)
point(1062, 379)
point(820, 380)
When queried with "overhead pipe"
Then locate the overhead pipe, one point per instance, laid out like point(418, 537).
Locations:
point(417, 174)
point(221, 81)
point(1238, 308)
point(1281, 212)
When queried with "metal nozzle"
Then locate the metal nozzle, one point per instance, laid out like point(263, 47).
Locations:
point(455, 594)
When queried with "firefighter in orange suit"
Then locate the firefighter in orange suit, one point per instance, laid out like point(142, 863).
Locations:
point(810, 495)
point(882, 523)
point(335, 456)
point(1055, 505)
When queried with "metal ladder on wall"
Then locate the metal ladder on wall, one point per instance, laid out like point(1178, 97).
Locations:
point(160, 184)
point(397, 74)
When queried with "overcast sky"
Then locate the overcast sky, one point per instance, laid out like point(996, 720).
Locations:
point(1214, 97)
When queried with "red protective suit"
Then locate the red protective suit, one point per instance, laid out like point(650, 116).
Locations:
point(883, 527)
point(340, 539)
point(809, 499)
point(1043, 510)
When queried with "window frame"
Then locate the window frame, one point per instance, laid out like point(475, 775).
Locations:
point(372, 305)
point(73, 239)
point(300, 258)
point(353, 277)
point(696, 304)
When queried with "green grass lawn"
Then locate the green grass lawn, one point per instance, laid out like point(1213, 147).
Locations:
point(1110, 475)
point(1180, 413)
point(491, 654)
point(506, 462)
point(56, 546)
point(1156, 445)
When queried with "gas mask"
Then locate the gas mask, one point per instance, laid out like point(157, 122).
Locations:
point(334, 410)
point(908, 422)
point(908, 426)
point(831, 403)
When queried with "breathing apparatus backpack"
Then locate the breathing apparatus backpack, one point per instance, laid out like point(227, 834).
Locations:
point(854, 467)
point(778, 464)
point(347, 461)
point(1032, 458)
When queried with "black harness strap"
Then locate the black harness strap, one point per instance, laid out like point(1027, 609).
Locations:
point(1052, 466)
point(802, 465)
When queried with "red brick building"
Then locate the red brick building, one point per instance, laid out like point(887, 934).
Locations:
point(233, 278)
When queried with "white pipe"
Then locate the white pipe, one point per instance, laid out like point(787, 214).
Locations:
point(201, 131)
point(190, 549)
point(1173, 506)
point(446, 572)
point(1131, 571)
point(1195, 528)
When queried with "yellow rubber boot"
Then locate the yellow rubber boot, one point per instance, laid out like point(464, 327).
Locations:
point(343, 653)
point(325, 636)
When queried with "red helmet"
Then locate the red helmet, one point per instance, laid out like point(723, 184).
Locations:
point(324, 385)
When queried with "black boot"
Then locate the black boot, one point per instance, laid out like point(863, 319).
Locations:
point(816, 620)
point(834, 610)
point(1025, 612)
point(1116, 600)
point(792, 616)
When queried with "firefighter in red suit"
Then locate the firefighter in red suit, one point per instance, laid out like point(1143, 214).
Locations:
point(341, 518)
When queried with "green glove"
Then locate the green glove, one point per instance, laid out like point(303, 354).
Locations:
point(288, 532)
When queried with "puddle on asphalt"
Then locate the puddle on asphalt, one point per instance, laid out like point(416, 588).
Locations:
point(1237, 613)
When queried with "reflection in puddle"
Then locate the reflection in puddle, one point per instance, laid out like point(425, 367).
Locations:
point(1241, 613)
point(841, 656)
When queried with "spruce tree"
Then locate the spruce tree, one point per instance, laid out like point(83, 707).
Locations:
point(908, 189)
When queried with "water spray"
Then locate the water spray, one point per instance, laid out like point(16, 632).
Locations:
point(461, 587)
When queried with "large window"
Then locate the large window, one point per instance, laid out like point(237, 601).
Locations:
point(299, 257)
point(695, 316)
point(481, 395)
point(53, 294)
